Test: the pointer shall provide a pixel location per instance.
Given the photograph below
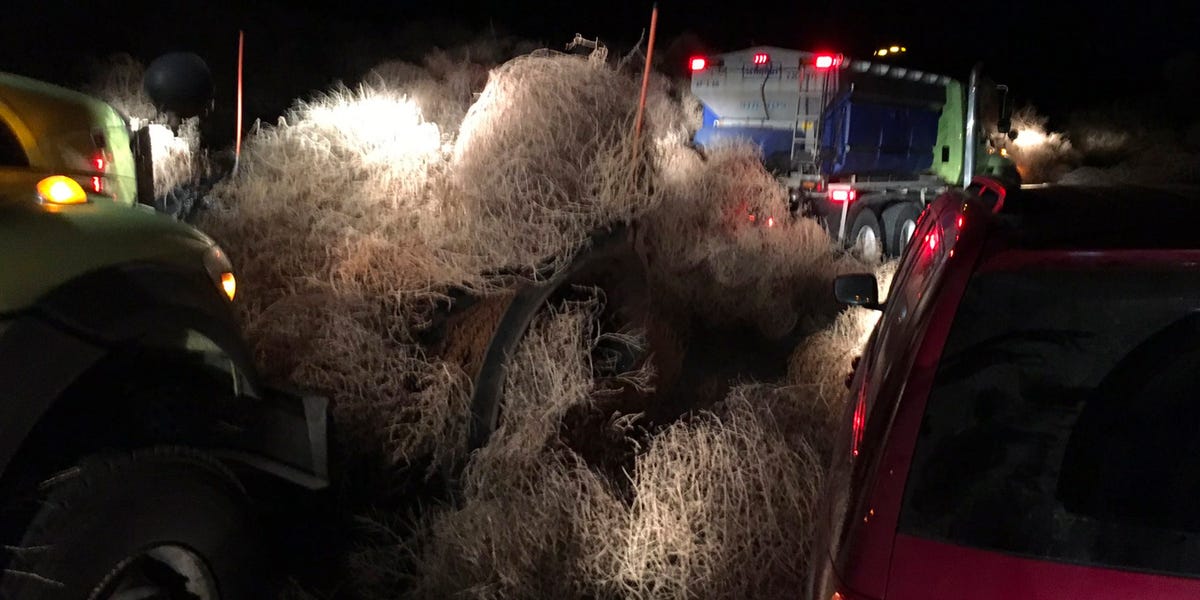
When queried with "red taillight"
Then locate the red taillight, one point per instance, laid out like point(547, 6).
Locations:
point(859, 423)
point(842, 195)
point(932, 240)
point(827, 61)
point(846, 596)
point(99, 163)
point(97, 184)
point(959, 223)
point(761, 58)
point(699, 63)
point(770, 221)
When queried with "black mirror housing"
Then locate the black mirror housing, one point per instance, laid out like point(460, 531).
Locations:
point(858, 289)
point(179, 83)
point(1004, 123)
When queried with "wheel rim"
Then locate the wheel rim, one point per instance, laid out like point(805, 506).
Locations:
point(907, 229)
point(867, 243)
point(168, 571)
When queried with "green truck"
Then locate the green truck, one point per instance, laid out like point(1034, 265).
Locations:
point(139, 451)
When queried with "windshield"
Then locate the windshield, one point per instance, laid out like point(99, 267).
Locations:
point(11, 153)
point(1063, 422)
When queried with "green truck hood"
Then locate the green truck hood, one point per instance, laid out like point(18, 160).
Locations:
point(43, 247)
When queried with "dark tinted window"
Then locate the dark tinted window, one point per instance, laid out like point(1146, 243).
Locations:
point(886, 365)
point(11, 153)
point(1064, 421)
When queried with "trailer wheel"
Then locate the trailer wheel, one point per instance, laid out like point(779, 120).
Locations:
point(900, 223)
point(866, 236)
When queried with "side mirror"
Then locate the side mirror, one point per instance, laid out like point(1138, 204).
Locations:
point(180, 84)
point(859, 289)
point(143, 165)
point(1004, 123)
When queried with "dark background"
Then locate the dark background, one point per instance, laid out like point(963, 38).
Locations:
point(1058, 56)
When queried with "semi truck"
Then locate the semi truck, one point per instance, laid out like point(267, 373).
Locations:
point(860, 145)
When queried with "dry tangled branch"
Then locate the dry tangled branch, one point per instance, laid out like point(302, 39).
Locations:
point(530, 507)
point(545, 157)
point(357, 214)
point(722, 508)
point(724, 245)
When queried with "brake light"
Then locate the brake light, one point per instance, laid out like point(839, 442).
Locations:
point(959, 223)
point(699, 63)
point(761, 58)
point(770, 221)
point(843, 195)
point(827, 61)
point(99, 163)
point(97, 184)
point(859, 424)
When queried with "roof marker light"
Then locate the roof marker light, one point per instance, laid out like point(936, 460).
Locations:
point(58, 189)
point(761, 58)
point(827, 61)
point(698, 63)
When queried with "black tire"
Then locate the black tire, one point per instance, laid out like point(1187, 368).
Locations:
point(114, 516)
point(866, 236)
point(899, 223)
point(610, 251)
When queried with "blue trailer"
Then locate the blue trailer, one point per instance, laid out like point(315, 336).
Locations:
point(860, 145)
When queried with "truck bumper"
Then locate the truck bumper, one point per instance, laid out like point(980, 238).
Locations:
point(289, 438)
point(280, 432)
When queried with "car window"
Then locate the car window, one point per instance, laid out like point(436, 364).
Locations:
point(1064, 421)
point(892, 351)
point(909, 301)
point(11, 152)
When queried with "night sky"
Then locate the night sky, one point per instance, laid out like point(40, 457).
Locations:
point(1060, 57)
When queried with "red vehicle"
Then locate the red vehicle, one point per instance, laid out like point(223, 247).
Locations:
point(1025, 420)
